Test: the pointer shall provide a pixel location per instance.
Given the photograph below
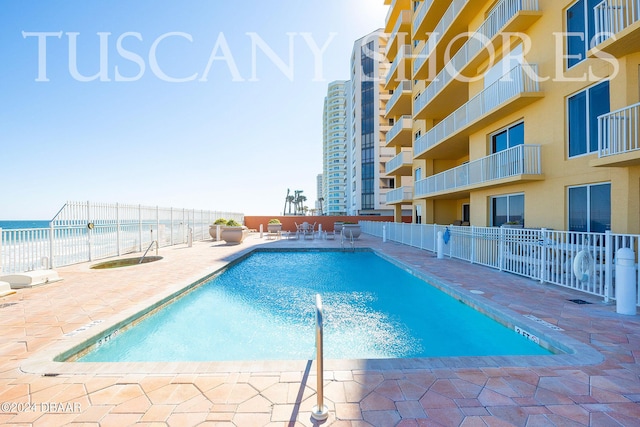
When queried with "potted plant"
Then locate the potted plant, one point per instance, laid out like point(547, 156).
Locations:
point(351, 229)
point(274, 225)
point(337, 226)
point(234, 232)
point(214, 227)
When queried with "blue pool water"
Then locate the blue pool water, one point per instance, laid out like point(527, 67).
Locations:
point(264, 308)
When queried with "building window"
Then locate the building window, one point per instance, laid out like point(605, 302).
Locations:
point(590, 208)
point(583, 111)
point(507, 138)
point(581, 30)
point(418, 174)
point(507, 209)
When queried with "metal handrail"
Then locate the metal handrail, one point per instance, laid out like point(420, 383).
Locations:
point(320, 411)
point(145, 252)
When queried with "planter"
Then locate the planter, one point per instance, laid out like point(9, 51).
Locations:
point(351, 230)
point(213, 230)
point(274, 228)
point(337, 226)
point(234, 235)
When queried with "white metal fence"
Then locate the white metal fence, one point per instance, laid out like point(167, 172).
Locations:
point(544, 255)
point(613, 16)
point(619, 131)
point(84, 231)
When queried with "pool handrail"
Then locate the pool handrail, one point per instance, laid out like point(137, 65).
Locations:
point(320, 411)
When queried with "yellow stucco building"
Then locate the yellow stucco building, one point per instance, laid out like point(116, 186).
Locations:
point(515, 111)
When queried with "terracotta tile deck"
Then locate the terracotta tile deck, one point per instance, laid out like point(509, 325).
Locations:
point(597, 385)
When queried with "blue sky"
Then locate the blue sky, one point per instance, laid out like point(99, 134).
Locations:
point(165, 103)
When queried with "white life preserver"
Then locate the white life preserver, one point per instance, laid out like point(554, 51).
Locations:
point(583, 266)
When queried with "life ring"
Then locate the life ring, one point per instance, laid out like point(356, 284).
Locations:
point(583, 266)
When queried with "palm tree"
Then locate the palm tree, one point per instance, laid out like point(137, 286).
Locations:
point(286, 199)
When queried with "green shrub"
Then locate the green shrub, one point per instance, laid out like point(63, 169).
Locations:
point(233, 223)
point(220, 221)
point(274, 221)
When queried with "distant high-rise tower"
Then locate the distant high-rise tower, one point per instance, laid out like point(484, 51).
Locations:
point(334, 149)
point(367, 182)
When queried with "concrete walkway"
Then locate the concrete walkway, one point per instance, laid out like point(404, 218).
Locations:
point(598, 385)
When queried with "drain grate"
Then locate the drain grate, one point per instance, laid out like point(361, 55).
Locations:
point(579, 301)
point(8, 304)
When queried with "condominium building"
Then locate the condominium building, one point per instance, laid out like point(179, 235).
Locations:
point(516, 111)
point(367, 180)
point(334, 149)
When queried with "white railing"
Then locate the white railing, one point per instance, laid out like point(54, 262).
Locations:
point(85, 231)
point(613, 16)
point(406, 85)
point(420, 14)
point(404, 17)
point(619, 131)
point(399, 194)
point(518, 160)
point(520, 79)
point(404, 158)
point(543, 255)
point(448, 17)
point(404, 123)
point(496, 21)
point(403, 54)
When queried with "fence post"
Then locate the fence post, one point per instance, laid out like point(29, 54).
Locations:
point(608, 275)
point(501, 249)
point(51, 244)
point(473, 244)
point(118, 225)
point(89, 231)
point(543, 255)
point(140, 227)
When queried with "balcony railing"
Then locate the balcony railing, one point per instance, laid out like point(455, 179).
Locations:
point(421, 13)
point(403, 54)
point(515, 161)
point(403, 20)
point(441, 28)
point(613, 16)
point(496, 21)
point(399, 195)
point(397, 93)
point(405, 122)
point(404, 158)
point(619, 131)
point(521, 79)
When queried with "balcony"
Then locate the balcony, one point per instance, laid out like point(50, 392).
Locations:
point(514, 90)
point(395, 8)
point(450, 85)
point(617, 24)
point(400, 102)
point(519, 163)
point(400, 133)
point(400, 68)
point(399, 35)
point(425, 18)
point(402, 195)
point(453, 22)
point(619, 138)
point(400, 164)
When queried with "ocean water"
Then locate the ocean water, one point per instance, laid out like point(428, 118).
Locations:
point(263, 309)
point(13, 225)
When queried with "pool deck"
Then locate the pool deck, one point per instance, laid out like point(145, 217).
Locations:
point(598, 385)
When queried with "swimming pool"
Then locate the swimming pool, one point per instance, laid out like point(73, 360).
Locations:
point(262, 308)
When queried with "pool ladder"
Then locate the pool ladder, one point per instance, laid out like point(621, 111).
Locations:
point(319, 412)
point(351, 240)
